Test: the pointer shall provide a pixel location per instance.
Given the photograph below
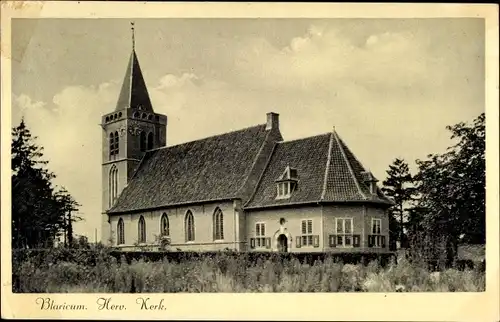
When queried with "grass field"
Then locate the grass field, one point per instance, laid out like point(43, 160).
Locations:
point(233, 274)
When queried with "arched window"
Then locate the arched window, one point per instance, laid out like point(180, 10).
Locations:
point(117, 143)
point(113, 185)
point(120, 231)
point(164, 225)
point(218, 223)
point(142, 230)
point(143, 142)
point(114, 143)
point(189, 226)
point(111, 144)
point(150, 140)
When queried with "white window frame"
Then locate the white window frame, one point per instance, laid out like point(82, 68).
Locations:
point(187, 226)
point(343, 235)
point(218, 225)
point(142, 233)
point(284, 189)
point(307, 237)
point(377, 237)
point(167, 220)
point(260, 238)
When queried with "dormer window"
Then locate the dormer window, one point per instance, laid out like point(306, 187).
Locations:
point(370, 181)
point(286, 183)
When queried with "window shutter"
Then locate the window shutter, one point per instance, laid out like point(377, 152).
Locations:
point(383, 241)
point(316, 240)
point(252, 243)
point(304, 227)
point(268, 242)
point(297, 240)
point(333, 239)
point(356, 239)
point(370, 240)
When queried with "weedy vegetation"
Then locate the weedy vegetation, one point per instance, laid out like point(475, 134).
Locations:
point(76, 271)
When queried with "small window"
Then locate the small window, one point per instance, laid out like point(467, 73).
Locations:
point(113, 185)
point(260, 235)
point(136, 114)
point(218, 224)
point(150, 140)
point(142, 230)
point(143, 141)
point(344, 229)
point(189, 226)
point(376, 239)
point(120, 230)
point(150, 117)
point(307, 233)
point(376, 226)
point(164, 225)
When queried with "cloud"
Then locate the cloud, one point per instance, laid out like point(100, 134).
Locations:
point(325, 56)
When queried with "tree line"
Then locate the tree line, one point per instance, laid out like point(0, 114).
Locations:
point(41, 211)
point(443, 203)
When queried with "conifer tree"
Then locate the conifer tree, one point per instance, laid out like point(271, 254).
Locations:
point(399, 187)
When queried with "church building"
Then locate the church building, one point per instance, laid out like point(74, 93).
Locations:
point(246, 190)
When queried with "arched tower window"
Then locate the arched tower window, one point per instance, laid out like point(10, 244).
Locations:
point(142, 230)
point(189, 226)
point(120, 230)
point(218, 224)
point(114, 143)
point(164, 225)
point(143, 142)
point(150, 140)
point(111, 144)
point(113, 185)
point(117, 143)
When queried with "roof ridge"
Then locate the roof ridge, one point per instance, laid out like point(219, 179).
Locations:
point(259, 182)
point(348, 164)
point(269, 133)
point(305, 138)
point(327, 168)
point(208, 137)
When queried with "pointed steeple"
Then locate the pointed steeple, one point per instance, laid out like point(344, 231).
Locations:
point(134, 93)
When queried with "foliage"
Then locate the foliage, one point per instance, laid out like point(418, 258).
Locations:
point(399, 187)
point(40, 211)
point(451, 188)
point(63, 270)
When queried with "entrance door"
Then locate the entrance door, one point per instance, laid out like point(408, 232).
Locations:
point(282, 243)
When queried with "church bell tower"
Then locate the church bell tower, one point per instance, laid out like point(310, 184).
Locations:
point(127, 133)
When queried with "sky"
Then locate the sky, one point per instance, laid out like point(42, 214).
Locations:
point(388, 86)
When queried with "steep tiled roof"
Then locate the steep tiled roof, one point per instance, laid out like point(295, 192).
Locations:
point(308, 156)
point(328, 172)
point(213, 168)
point(134, 93)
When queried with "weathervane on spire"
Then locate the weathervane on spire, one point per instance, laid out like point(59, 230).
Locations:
point(133, 35)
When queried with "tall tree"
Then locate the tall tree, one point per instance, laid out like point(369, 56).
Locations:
point(67, 205)
point(452, 186)
point(37, 214)
point(399, 187)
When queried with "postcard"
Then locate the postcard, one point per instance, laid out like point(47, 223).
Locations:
point(249, 161)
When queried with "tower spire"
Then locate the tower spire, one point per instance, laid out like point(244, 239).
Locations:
point(134, 93)
point(133, 34)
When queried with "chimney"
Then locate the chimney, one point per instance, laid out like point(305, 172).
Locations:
point(273, 121)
